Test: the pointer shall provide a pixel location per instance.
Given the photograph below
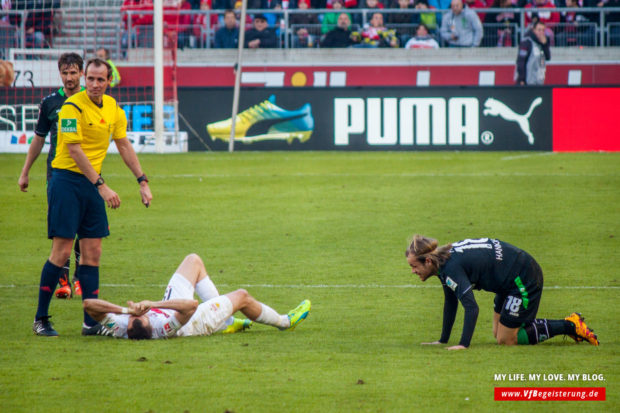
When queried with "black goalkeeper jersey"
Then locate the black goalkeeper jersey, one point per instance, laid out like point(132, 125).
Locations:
point(48, 122)
point(477, 264)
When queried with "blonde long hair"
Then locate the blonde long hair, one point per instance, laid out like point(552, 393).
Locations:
point(424, 247)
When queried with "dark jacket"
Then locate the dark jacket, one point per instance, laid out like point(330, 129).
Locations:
point(337, 37)
point(226, 38)
point(303, 18)
point(268, 38)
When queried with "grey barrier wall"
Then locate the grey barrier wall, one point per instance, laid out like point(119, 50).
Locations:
point(370, 118)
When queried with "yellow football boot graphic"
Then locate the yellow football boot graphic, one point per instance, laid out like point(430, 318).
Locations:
point(266, 121)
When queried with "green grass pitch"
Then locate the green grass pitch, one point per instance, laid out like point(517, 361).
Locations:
point(331, 227)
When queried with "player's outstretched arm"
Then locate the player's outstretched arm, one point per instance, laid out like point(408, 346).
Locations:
point(98, 308)
point(125, 149)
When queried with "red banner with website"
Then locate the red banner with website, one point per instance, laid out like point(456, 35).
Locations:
point(584, 119)
point(549, 393)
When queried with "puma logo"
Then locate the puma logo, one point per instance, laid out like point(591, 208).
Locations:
point(494, 107)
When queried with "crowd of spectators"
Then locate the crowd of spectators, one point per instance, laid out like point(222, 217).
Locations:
point(374, 23)
point(370, 23)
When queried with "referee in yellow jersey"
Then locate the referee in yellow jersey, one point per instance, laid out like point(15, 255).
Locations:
point(78, 194)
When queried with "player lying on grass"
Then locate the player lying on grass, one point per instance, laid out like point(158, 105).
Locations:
point(178, 314)
point(496, 266)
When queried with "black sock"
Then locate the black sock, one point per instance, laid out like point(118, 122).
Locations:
point(542, 329)
point(49, 279)
point(89, 280)
point(76, 251)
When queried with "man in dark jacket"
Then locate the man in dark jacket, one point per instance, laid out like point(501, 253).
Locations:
point(228, 36)
point(339, 36)
point(533, 54)
point(261, 36)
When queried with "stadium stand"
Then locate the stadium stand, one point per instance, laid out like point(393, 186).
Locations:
point(125, 28)
point(119, 25)
point(88, 25)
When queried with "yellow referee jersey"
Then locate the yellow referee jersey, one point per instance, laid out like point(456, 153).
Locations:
point(82, 121)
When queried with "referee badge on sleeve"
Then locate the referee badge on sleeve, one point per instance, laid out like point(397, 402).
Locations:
point(68, 125)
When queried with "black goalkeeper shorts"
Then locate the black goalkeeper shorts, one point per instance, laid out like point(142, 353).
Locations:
point(520, 304)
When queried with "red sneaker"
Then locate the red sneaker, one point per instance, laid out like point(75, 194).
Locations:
point(63, 292)
point(78, 288)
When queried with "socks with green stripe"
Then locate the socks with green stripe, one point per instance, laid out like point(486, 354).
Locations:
point(542, 329)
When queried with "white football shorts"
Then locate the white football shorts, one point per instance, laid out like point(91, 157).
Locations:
point(179, 287)
point(210, 316)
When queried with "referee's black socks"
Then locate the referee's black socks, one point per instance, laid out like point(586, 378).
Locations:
point(49, 278)
point(89, 280)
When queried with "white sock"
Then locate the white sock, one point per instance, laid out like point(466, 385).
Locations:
point(271, 317)
point(206, 290)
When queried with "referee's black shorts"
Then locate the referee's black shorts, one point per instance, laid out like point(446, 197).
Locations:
point(75, 207)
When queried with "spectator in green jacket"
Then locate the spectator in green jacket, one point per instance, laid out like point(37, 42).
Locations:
point(330, 20)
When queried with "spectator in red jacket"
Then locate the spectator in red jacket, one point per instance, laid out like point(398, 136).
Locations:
point(477, 4)
point(200, 22)
point(176, 24)
point(376, 34)
point(138, 23)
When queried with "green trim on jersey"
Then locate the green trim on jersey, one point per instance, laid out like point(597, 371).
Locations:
point(62, 93)
point(523, 291)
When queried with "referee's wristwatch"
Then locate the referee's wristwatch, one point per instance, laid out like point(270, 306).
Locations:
point(143, 178)
point(99, 182)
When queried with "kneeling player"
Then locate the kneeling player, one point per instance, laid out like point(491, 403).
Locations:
point(496, 266)
point(178, 314)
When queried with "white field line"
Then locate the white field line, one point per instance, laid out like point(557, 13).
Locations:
point(370, 175)
point(526, 155)
point(326, 286)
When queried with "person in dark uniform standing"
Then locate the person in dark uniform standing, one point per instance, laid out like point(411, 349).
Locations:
point(496, 266)
point(70, 66)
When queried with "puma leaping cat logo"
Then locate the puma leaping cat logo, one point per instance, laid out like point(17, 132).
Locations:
point(494, 107)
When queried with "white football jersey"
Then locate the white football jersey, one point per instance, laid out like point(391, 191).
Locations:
point(164, 323)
